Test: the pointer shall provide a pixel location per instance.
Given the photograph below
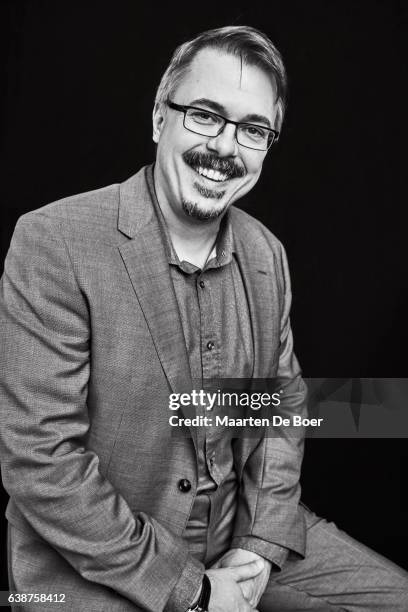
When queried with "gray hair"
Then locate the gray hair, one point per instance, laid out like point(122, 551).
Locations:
point(252, 46)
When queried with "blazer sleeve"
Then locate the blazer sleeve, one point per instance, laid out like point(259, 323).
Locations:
point(47, 470)
point(269, 520)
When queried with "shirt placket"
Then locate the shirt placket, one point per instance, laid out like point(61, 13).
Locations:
point(210, 360)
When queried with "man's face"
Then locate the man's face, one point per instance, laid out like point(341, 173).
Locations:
point(218, 82)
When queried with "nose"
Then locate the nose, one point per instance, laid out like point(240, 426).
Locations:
point(225, 144)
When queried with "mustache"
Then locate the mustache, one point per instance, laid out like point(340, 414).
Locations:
point(212, 162)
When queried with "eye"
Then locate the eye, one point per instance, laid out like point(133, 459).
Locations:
point(255, 132)
point(203, 117)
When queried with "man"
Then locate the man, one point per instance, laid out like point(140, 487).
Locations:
point(115, 299)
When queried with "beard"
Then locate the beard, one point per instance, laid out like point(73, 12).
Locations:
point(193, 210)
point(227, 166)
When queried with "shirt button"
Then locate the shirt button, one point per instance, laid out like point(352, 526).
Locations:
point(202, 284)
point(184, 485)
point(210, 345)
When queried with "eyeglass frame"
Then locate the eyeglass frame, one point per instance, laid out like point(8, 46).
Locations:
point(184, 108)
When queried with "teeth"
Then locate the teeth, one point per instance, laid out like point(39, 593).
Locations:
point(214, 175)
point(218, 176)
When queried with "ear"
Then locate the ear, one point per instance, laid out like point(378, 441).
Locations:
point(158, 120)
point(277, 124)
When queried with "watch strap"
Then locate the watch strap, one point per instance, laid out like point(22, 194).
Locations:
point(204, 599)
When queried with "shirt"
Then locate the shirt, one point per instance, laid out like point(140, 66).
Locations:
point(217, 329)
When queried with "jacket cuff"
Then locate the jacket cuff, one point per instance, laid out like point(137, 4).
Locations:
point(186, 587)
point(272, 552)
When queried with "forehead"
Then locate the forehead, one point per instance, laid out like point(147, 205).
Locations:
point(223, 78)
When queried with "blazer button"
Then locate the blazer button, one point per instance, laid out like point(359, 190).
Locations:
point(184, 485)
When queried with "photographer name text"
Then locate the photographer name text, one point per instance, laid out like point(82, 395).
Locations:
point(226, 421)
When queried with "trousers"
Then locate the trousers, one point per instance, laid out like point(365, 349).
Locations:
point(338, 573)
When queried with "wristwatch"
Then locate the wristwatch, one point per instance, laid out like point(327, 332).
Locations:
point(204, 599)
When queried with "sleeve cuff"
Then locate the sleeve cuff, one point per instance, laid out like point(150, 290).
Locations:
point(272, 552)
point(187, 586)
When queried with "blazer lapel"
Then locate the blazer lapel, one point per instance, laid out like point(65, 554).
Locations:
point(262, 298)
point(256, 271)
point(148, 269)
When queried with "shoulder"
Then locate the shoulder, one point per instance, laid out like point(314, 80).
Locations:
point(108, 215)
point(254, 234)
point(90, 213)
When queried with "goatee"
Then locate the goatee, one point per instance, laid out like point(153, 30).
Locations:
point(193, 210)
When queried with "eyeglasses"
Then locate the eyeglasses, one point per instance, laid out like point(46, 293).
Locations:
point(207, 123)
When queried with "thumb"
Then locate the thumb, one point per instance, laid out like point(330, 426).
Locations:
point(247, 571)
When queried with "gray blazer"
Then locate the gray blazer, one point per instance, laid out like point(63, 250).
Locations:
point(91, 347)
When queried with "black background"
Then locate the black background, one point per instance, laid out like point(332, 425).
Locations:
point(80, 79)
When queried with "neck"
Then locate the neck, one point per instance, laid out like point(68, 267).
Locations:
point(193, 240)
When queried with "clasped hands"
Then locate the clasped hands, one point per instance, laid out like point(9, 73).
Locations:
point(238, 580)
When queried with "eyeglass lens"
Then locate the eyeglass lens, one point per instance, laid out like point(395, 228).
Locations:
point(208, 124)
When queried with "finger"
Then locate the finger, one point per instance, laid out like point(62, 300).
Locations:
point(246, 587)
point(247, 571)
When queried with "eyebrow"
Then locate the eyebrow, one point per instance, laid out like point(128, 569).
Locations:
point(220, 109)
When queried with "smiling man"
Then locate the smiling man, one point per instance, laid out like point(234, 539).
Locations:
point(225, 164)
point(112, 301)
